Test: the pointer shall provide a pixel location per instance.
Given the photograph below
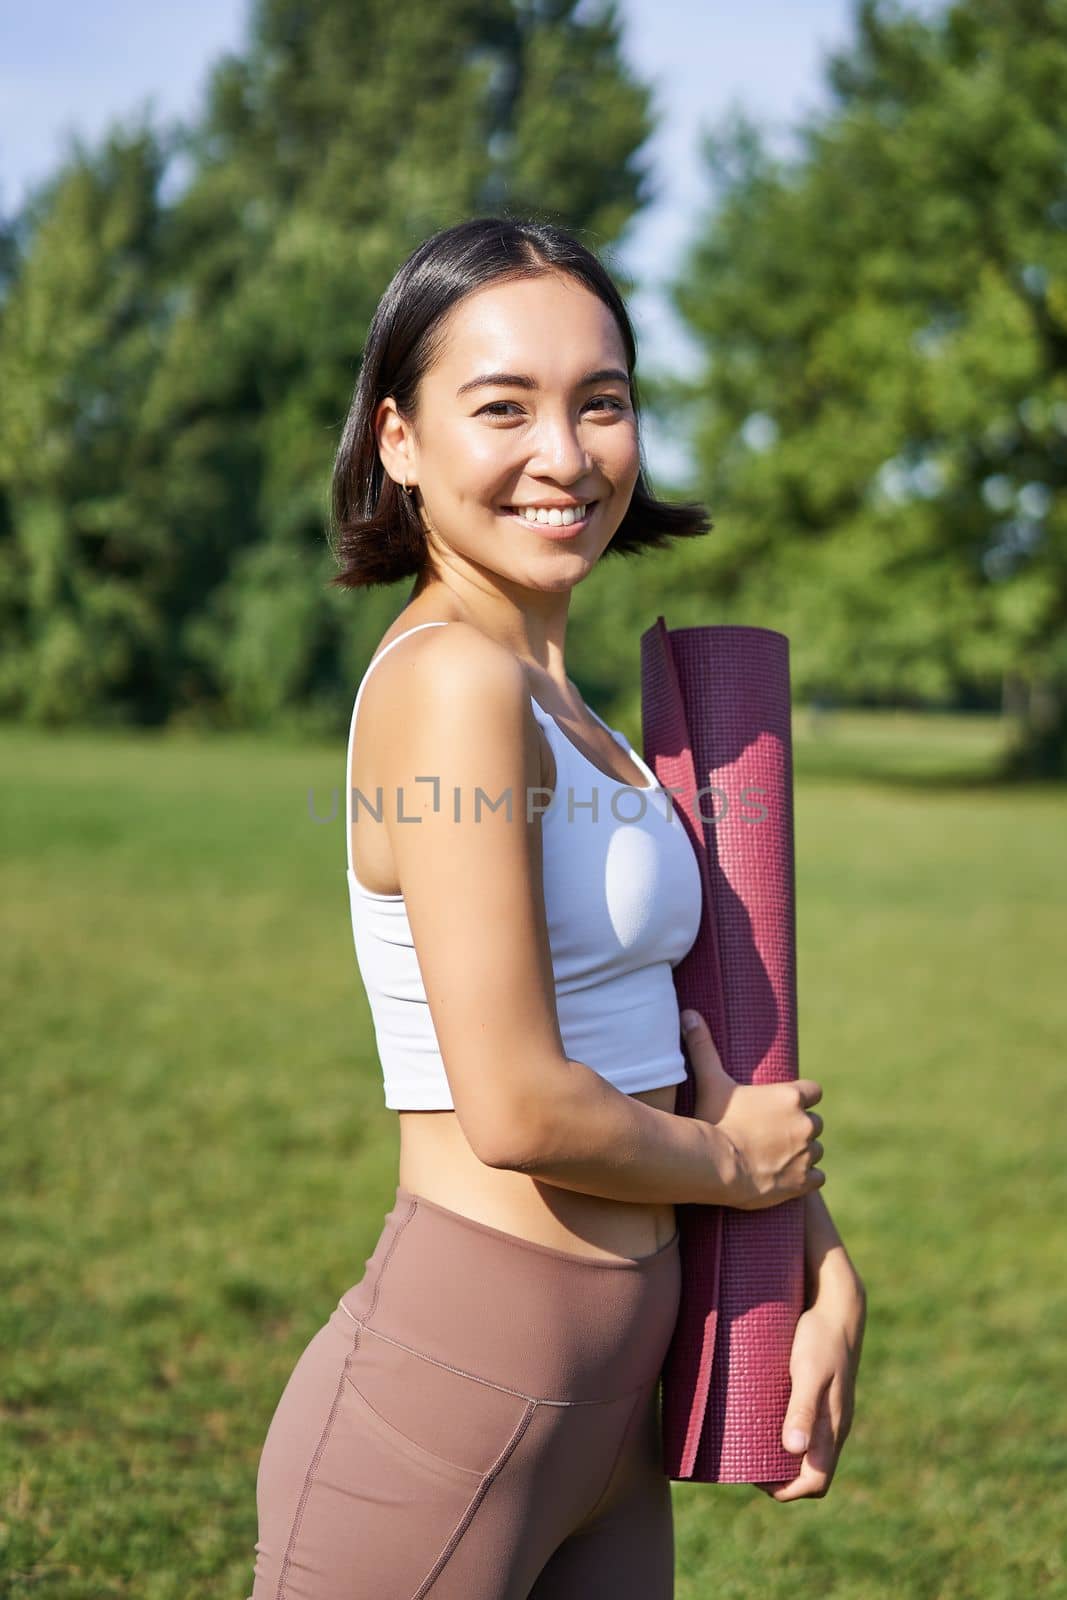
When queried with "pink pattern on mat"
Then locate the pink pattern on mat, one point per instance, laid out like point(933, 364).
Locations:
point(716, 710)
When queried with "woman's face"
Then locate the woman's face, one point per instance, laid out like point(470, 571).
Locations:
point(527, 405)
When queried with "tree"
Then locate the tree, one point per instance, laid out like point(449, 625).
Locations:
point(81, 586)
point(345, 133)
point(882, 418)
point(175, 374)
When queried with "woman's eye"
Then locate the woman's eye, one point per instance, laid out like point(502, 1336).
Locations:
point(497, 408)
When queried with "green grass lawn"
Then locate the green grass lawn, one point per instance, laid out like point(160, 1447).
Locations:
point(197, 1159)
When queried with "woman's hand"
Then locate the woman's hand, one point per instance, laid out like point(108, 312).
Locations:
point(770, 1132)
point(774, 1138)
point(823, 1365)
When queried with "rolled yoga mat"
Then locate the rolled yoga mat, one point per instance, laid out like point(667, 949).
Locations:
point(716, 717)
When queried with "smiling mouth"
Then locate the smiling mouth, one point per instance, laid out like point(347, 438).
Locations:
point(557, 517)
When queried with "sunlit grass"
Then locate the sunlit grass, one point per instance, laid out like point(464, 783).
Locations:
point(197, 1159)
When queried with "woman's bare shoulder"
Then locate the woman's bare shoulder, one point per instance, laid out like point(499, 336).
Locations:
point(444, 681)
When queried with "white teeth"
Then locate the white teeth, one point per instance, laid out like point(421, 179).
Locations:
point(553, 516)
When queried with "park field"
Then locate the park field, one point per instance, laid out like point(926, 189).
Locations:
point(197, 1160)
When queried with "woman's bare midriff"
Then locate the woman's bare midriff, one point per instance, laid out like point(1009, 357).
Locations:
point(437, 1162)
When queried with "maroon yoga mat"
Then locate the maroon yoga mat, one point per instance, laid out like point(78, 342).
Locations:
point(716, 717)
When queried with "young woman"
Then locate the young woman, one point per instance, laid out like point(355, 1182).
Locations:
point(477, 1420)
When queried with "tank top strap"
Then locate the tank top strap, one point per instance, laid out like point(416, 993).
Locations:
point(352, 729)
point(548, 721)
point(418, 627)
point(620, 738)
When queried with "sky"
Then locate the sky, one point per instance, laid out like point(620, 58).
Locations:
point(67, 67)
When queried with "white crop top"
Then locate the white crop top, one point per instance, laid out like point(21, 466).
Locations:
point(623, 902)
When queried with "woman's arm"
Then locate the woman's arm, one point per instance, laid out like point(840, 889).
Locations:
point(825, 1359)
point(457, 738)
point(828, 1268)
point(450, 719)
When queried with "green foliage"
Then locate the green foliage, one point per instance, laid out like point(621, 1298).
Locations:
point(177, 372)
point(82, 608)
point(880, 424)
point(881, 421)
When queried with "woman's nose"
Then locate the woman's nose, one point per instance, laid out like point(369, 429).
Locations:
point(559, 450)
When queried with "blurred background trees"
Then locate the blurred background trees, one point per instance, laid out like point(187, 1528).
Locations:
point(880, 424)
point(176, 374)
point(882, 418)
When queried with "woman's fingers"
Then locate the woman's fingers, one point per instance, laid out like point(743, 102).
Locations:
point(757, 1128)
point(698, 1035)
point(714, 1086)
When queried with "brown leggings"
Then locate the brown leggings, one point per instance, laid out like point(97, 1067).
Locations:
point(478, 1420)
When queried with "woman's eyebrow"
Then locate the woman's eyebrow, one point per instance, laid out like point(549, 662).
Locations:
point(521, 380)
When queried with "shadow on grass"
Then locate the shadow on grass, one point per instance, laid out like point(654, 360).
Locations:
point(928, 752)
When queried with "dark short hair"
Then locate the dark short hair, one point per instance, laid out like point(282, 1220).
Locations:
point(376, 533)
